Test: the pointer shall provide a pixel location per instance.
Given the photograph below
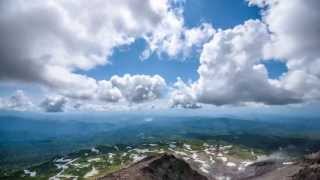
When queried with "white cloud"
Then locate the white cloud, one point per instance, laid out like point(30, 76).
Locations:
point(182, 95)
point(133, 89)
point(230, 64)
point(88, 106)
point(198, 35)
point(54, 104)
point(128, 92)
point(108, 92)
point(231, 72)
point(126, 89)
point(173, 39)
point(70, 84)
point(48, 41)
point(295, 26)
point(19, 102)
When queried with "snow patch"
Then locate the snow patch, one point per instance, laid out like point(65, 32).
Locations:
point(287, 163)
point(30, 173)
point(135, 157)
point(187, 146)
point(62, 160)
point(231, 164)
point(91, 173)
point(222, 158)
point(243, 165)
point(95, 150)
point(94, 160)
point(223, 178)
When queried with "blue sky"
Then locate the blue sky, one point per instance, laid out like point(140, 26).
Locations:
point(126, 59)
point(197, 53)
point(221, 14)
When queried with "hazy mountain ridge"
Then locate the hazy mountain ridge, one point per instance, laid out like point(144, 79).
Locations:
point(32, 140)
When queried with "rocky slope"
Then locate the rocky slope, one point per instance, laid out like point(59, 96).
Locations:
point(170, 167)
point(310, 168)
point(160, 167)
point(174, 160)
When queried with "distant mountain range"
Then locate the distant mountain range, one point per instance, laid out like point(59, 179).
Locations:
point(33, 139)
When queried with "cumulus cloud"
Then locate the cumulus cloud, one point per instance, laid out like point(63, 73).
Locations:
point(294, 25)
point(183, 96)
point(139, 88)
point(48, 41)
point(131, 88)
point(295, 28)
point(108, 92)
point(174, 40)
point(127, 88)
point(118, 93)
point(159, 104)
point(19, 102)
point(54, 104)
point(231, 71)
point(72, 85)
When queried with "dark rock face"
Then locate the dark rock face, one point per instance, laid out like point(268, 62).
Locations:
point(161, 167)
point(168, 167)
point(311, 168)
point(257, 169)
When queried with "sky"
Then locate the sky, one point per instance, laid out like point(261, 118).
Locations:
point(190, 55)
